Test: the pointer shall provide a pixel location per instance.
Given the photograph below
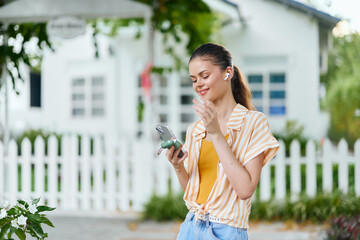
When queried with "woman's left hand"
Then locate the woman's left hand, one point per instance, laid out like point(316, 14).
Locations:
point(208, 115)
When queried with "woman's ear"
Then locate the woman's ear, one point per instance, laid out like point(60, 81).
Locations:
point(229, 72)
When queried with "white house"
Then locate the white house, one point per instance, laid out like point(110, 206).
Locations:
point(280, 45)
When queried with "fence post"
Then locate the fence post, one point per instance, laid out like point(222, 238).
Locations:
point(124, 175)
point(265, 183)
point(74, 172)
point(110, 174)
point(85, 172)
point(52, 171)
point(12, 161)
point(310, 169)
point(343, 166)
point(280, 173)
point(65, 172)
point(162, 175)
point(141, 182)
point(2, 172)
point(25, 169)
point(295, 177)
point(39, 168)
point(327, 168)
point(357, 167)
point(98, 174)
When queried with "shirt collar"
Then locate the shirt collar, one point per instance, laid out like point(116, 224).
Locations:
point(235, 121)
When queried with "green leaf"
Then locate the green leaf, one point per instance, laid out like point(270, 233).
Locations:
point(21, 202)
point(37, 228)
point(32, 232)
point(35, 218)
point(4, 221)
point(20, 233)
point(11, 232)
point(36, 201)
point(47, 221)
point(45, 208)
point(4, 229)
point(12, 211)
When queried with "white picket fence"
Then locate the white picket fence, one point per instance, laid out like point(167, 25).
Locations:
point(121, 175)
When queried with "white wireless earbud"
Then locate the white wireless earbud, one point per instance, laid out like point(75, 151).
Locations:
point(227, 76)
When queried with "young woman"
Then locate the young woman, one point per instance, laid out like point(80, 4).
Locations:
point(224, 151)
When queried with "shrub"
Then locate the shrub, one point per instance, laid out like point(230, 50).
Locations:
point(342, 228)
point(165, 208)
point(317, 210)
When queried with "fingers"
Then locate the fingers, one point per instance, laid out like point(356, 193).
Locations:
point(201, 112)
point(205, 110)
point(181, 160)
point(207, 102)
point(170, 153)
point(173, 156)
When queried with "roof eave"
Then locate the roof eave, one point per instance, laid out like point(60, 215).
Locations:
point(324, 18)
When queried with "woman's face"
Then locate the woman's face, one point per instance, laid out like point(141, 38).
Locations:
point(208, 79)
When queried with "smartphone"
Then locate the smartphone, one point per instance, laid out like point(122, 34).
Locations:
point(166, 134)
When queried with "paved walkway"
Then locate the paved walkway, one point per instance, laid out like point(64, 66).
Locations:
point(128, 227)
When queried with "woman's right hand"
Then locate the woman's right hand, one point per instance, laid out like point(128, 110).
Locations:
point(172, 156)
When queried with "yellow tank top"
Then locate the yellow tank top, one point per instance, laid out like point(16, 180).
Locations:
point(208, 161)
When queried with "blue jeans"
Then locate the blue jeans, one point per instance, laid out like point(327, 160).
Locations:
point(206, 230)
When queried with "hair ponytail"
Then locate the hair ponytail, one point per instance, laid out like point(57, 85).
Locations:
point(240, 89)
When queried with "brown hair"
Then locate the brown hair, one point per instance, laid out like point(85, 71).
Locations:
point(220, 56)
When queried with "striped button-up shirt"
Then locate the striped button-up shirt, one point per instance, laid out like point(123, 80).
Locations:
point(249, 135)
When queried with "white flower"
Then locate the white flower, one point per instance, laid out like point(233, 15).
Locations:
point(20, 205)
point(6, 204)
point(14, 223)
point(32, 208)
point(22, 220)
point(3, 213)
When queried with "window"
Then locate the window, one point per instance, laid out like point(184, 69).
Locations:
point(163, 117)
point(97, 97)
point(186, 82)
point(88, 96)
point(163, 99)
point(78, 97)
point(256, 86)
point(186, 99)
point(269, 93)
point(187, 117)
point(35, 89)
point(277, 94)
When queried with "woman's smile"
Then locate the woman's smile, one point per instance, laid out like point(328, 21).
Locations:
point(202, 92)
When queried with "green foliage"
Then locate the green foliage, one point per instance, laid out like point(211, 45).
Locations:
point(343, 87)
point(13, 54)
point(165, 208)
point(343, 101)
point(179, 21)
point(24, 218)
point(317, 210)
point(194, 18)
point(343, 228)
point(140, 111)
point(292, 130)
point(344, 58)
